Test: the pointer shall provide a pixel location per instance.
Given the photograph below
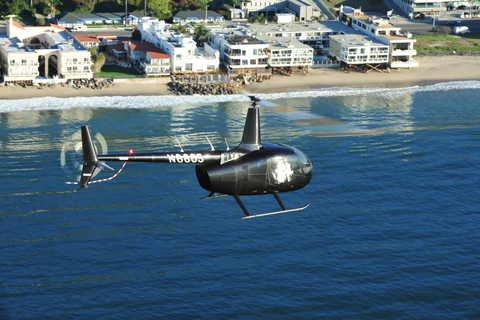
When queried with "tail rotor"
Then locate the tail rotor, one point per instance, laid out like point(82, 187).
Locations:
point(82, 156)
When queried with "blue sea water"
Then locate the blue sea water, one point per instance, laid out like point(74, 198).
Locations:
point(392, 231)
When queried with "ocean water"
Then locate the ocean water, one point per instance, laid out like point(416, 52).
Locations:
point(392, 230)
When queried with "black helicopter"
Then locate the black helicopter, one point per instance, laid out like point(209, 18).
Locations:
point(252, 168)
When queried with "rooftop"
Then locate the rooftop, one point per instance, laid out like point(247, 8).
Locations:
point(325, 26)
point(243, 39)
point(355, 40)
point(376, 22)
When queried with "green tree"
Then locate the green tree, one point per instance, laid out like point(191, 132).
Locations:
point(157, 8)
point(40, 21)
point(444, 30)
point(8, 7)
point(188, 5)
point(98, 59)
point(180, 28)
point(257, 18)
point(200, 34)
point(48, 6)
point(136, 35)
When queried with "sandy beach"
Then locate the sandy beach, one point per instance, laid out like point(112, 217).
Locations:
point(431, 70)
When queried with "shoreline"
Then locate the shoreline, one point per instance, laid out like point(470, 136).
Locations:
point(432, 70)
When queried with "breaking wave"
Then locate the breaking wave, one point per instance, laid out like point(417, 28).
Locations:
point(146, 102)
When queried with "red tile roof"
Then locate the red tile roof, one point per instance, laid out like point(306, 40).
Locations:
point(94, 37)
point(158, 54)
point(148, 47)
point(17, 25)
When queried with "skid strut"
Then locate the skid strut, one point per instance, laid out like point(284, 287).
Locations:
point(277, 197)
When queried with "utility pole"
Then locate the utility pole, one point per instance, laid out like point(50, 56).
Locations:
point(126, 13)
point(145, 8)
point(206, 17)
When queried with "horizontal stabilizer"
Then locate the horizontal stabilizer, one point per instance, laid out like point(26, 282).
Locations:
point(104, 166)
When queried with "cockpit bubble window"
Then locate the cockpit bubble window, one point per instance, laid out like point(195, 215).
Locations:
point(294, 164)
point(304, 161)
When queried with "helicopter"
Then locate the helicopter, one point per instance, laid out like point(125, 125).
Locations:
point(251, 168)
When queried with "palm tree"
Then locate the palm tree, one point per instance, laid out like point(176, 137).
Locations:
point(200, 34)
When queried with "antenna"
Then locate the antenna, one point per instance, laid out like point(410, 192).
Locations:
point(213, 149)
point(226, 142)
point(179, 144)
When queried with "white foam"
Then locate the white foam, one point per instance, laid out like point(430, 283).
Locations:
point(145, 102)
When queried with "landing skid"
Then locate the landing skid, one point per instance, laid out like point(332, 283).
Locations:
point(214, 196)
point(284, 210)
point(276, 212)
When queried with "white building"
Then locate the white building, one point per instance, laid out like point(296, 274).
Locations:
point(182, 49)
point(246, 50)
point(401, 51)
point(44, 51)
point(267, 8)
point(239, 52)
point(356, 49)
point(288, 55)
point(314, 34)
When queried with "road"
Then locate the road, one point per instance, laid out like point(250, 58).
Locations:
point(414, 27)
point(121, 33)
point(426, 28)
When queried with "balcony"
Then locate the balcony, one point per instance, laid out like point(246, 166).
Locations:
point(404, 64)
point(404, 52)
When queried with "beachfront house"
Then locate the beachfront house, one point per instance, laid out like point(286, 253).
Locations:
point(288, 55)
point(239, 52)
point(359, 52)
point(185, 56)
point(28, 53)
point(145, 56)
point(99, 41)
point(316, 35)
point(401, 51)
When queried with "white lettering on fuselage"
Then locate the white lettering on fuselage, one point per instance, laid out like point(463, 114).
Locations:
point(185, 158)
point(229, 156)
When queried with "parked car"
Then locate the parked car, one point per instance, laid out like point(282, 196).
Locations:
point(80, 28)
point(453, 23)
point(461, 30)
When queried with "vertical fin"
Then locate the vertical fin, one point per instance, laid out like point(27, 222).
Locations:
point(251, 139)
point(90, 159)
